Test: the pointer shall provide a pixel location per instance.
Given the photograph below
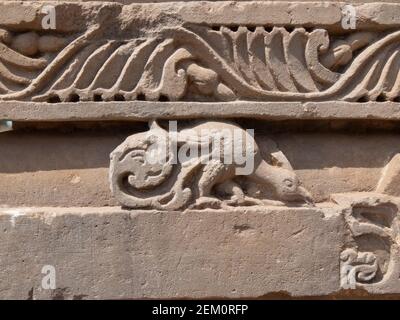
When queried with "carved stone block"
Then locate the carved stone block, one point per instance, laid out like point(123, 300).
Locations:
point(271, 252)
point(245, 149)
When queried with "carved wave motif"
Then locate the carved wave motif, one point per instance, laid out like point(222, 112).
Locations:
point(25, 59)
point(16, 69)
point(198, 63)
point(372, 75)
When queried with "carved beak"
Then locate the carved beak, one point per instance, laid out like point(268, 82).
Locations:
point(306, 196)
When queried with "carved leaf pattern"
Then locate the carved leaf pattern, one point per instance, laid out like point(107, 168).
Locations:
point(209, 64)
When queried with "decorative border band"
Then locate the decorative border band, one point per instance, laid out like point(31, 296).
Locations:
point(144, 111)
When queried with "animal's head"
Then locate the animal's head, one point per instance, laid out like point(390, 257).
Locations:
point(143, 159)
point(155, 137)
point(287, 187)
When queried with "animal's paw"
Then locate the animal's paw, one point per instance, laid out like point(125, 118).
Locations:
point(235, 201)
point(243, 202)
point(273, 203)
point(250, 201)
point(206, 202)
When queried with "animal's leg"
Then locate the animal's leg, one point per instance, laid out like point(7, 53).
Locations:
point(232, 189)
point(238, 197)
point(212, 173)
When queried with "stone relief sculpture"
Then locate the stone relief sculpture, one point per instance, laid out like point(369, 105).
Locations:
point(209, 179)
point(202, 63)
point(196, 205)
point(371, 257)
point(19, 65)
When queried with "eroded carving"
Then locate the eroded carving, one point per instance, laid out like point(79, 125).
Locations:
point(24, 58)
point(220, 174)
point(357, 267)
point(371, 257)
point(201, 63)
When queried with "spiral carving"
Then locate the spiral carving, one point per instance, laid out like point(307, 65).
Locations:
point(203, 63)
point(144, 173)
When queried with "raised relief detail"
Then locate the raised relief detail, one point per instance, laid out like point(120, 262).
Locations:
point(207, 164)
point(25, 62)
point(202, 63)
point(371, 257)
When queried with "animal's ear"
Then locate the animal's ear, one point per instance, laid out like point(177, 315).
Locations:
point(153, 124)
point(278, 157)
point(281, 160)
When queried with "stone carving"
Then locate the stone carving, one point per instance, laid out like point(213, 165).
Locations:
point(389, 182)
point(20, 68)
point(357, 268)
point(371, 257)
point(143, 177)
point(201, 63)
point(201, 207)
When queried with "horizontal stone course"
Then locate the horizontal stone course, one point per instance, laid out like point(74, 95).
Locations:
point(145, 111)
point(373, 14)
point(112, 253)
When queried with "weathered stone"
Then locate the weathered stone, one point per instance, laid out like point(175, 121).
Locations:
point(70, 167)
point(108, 253)
point(252, 145)
point(389, 182)
point(145, 111)
point(371, 259)
point(200, 51)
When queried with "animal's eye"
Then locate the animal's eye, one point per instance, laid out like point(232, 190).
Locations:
point(288, 183)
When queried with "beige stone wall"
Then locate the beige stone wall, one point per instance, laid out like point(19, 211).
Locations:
point(94, 90)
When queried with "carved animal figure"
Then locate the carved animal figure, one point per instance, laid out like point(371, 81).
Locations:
point(154, 170)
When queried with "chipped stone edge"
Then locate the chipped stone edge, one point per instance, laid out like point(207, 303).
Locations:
point(381, 15)
point(144, 111)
